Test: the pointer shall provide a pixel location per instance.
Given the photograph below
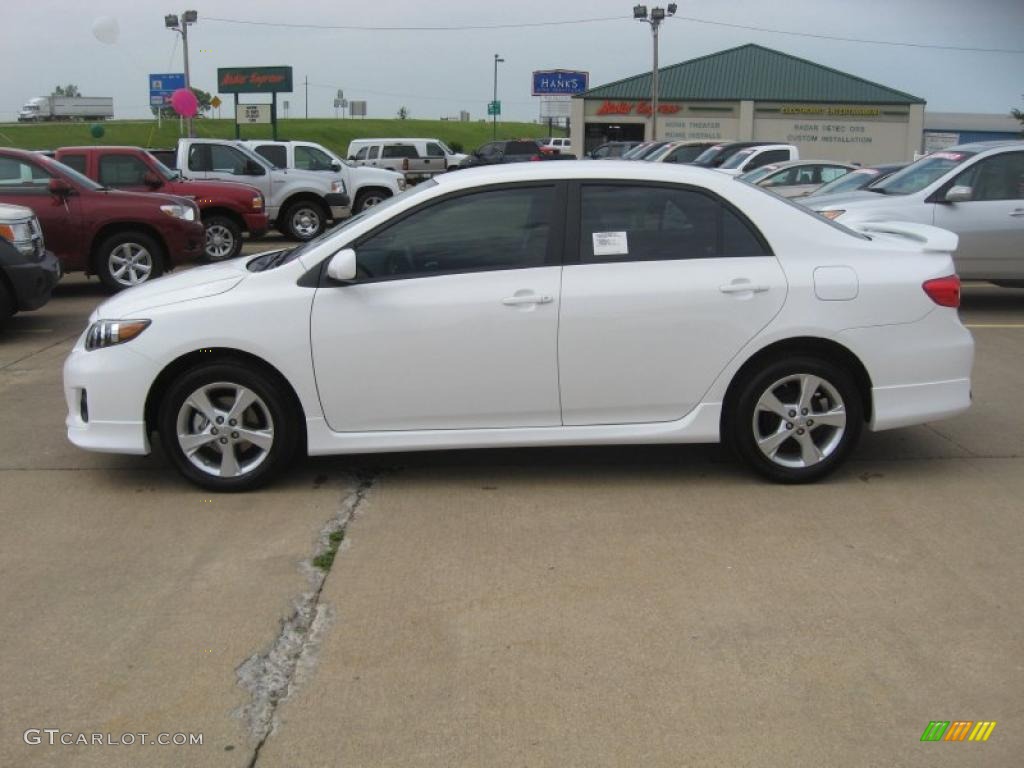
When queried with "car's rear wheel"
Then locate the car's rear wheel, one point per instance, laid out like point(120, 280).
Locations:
point(228, 427)
point(223, 238)
point(796, 420)
point(128, 259)
point(304, 220)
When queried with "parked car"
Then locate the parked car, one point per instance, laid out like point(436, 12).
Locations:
point(715, 155)
point(751, 158)
point(645, 150)
point(796, 178)
point(857, 179)
point(679, 152)
point(563, 145)
point(502, 306)
point(415, 158)
point(611, 150)
point(975, 190)
point(366, 186)
point(125, 238)
point(227, 209)
point(28, 271)
point(299, 204)
point(514, 151)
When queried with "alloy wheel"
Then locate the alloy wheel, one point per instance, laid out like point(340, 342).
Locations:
point(130, 264)
point(220, 242)
point(225, 429)
point(799, 421)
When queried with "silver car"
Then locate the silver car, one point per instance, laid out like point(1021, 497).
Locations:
point(797, 177)
point(975, 190)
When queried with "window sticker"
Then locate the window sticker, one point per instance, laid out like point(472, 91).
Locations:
point(610, 244)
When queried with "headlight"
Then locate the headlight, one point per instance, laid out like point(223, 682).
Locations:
point(186, 212)
point(19, 234)
point(257, 203)
point(401, 183)
point(338, 186)
point(108, 333)
point(835, 213)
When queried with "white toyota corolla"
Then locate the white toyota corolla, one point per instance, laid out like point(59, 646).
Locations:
point(536, 304)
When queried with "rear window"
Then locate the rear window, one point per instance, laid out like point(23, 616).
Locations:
point(919, 175)
point(74, 161)
point(399, 150)
point(521, 148)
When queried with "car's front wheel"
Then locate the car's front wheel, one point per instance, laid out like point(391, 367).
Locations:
point(227, 426)
point(795, 420)
point(304, 220)
point(128, 259)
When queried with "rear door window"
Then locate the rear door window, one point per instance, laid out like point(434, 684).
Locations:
point(374, 153)
point(275, 153)
point(78, 162)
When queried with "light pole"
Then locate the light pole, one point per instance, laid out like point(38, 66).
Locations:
point(494, 103)
point(172, 22)
point(657, 16)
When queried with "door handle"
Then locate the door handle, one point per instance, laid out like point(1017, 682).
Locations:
point(514, 301)
point(1017, 212)
point(743, 287)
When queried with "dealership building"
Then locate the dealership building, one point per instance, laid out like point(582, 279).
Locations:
point(755, 93)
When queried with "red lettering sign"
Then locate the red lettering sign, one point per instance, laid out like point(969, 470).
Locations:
point(641, 108)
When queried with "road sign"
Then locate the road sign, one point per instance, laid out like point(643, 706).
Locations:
point(563, 81)
point(555, 106)
point(252, 113)
point(161, 86)
point(494, 108)
point(215, 102)
point(357, 108)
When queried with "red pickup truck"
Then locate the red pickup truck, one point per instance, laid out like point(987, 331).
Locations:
point(228, 209)
point(125, 238)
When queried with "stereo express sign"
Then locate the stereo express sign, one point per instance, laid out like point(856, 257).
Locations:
point(254, 80)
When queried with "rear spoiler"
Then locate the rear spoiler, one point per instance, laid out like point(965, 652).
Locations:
point(931, 239)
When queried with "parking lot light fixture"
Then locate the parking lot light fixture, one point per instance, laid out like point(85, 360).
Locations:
point(180, 25)
point(494, 116)
point(657, 15)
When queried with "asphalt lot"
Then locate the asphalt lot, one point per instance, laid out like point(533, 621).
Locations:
point(593, 606)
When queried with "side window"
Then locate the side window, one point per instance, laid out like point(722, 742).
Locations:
point(648, 223)
point(225, 159)
point(400, 150)
point(771, 156)
point(1000, 177)
point(361, 154)
point(808, 174)
point(434, 150)
point(831, 173)
point(374, 152)
point(312, 159)
point(199, 157)
point(77, 162)
point(122, 171)
point(500, 229)
point(275, 153)
point(782, 179)
point(18, 173)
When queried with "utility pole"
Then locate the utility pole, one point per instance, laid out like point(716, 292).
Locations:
point(657, 16)
point(494, 102)
point(307, 97)
point(172, 22)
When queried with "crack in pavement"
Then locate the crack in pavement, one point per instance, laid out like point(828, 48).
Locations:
point(271, 676)
point(40, 351)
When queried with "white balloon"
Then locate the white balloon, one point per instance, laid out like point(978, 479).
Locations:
point(106, 30)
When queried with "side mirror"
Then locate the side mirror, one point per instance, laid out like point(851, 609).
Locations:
point(252, 168)
point(959, 194)
point(335, 166)
point(152, 180)
point(59, 187)
point(342, 266)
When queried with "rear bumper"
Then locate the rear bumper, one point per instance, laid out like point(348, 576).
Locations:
point(901, 406)
point(33, 282)
point(256, 224)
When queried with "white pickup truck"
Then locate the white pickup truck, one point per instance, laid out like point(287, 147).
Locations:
point(299, 203)
point(366, 186)
point(754, 157)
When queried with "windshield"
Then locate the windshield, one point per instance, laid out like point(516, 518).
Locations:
point(638, 149)
point(738, 159)
point(754, 176)
point(708, 154)
point(162, 169)
point(851, 182)
point(919, 175)
point(447, 150)
point(660, 153)
point(277, 258)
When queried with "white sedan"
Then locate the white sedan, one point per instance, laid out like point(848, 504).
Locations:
point(536, 304)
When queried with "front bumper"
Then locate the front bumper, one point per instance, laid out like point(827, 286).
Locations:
point(339, 203)
point(105, 391)
point(33, 282)
point(256, 224)
point(186, 241)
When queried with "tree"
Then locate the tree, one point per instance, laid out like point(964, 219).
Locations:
point(204, 98)
point(403, 113)
point(1019, 114)
point(66, 90)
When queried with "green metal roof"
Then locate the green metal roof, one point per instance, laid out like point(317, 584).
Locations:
point(755, 73)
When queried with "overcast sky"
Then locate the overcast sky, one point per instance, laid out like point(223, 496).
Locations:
point(43, 42)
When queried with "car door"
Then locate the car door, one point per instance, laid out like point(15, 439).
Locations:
point(662, 286)
point(991, 223)
point(453, 320)
point(435, 161)
point(25, 183)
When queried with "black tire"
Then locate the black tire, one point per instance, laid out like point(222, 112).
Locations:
point(303, 220)
point(119, 246)
point(367, 198)
point(782, 378)
point(223, 238)
point(274, 409)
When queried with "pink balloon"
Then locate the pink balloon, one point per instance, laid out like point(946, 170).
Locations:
point(184, 102)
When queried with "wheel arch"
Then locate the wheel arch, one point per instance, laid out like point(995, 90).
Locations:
point(227, 213)
point(811, 346)
point(307, 196)
point(208, 355)
point(119, 227)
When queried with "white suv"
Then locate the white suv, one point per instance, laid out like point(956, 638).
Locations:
point(366, 186)
point(754, 157)
point(416, 158)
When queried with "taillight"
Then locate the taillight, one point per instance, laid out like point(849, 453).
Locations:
point(535, 158)
point(405, 163)
point(944, 291)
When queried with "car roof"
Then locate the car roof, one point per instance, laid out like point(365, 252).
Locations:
point(796, 163)
point(401, 139)
point(982, 146)
point(88, 148)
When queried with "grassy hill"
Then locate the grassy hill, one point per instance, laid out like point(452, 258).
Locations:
point(335, 134)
